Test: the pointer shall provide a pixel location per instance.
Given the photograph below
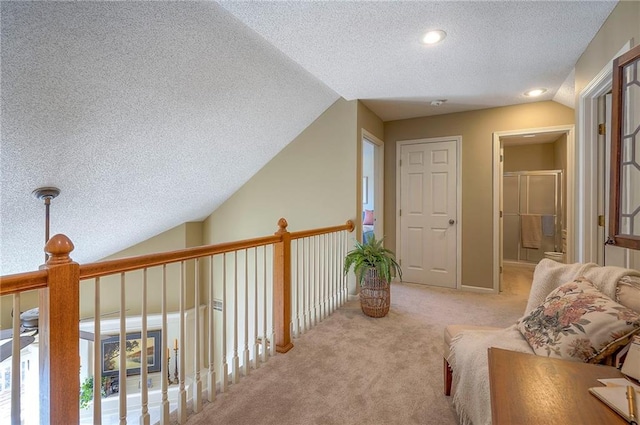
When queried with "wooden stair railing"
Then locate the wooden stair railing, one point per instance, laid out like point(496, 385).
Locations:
point(59, 279)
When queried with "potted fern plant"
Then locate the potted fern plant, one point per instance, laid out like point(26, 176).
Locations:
point(374, 266)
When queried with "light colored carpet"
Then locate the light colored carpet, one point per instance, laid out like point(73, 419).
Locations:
point(352, 369)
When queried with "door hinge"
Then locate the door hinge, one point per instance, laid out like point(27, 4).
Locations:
point(602, 129)
point(500, 269)
point(601, 220)
point(217, 304)
point(400, 261)
point(401, 163)
point(400, 213)
point(500, 214)
point(501, 158)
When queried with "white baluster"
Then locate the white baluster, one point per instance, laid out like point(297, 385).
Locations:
point(316, 280)
point(307, 285)
point(97, 355)
point(164, 409)
point(303, 284)
point(211, 376)
point(318, 265)
point(246, 366)
point(345, 281)
point(182, 392)
point(338, 269)
point(312, 282)
point(332, 268)
point(256, 346)
point(321, 276)
point(341, 255)
point(327, 262)
point(272, 338)
point(264, 321)
point(145, 418)
point(224, 379)
point(235, 370)
point(325, 280)
point(15, 362)
point(197, 389)
point(294, 290)
point(122, 376)
point(298, 289)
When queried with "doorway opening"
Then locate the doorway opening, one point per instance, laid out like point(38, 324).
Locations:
point(592, 175)
point(372, 187)
point(533, 197)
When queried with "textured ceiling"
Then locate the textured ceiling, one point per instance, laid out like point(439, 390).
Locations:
point(146, 115)
point(493, 52)
point(151, 114)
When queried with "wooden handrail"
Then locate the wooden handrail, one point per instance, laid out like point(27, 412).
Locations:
point(314, 232)
point(21, 282)
point(59, 303)
point(104, 268)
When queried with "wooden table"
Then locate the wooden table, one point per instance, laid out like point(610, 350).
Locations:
point(528, 389)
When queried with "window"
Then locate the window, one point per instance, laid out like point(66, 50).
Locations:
point(624, 222)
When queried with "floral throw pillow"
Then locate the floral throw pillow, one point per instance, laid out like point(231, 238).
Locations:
point(578, 322)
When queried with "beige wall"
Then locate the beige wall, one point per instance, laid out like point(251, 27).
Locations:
point(476, 129)
point(539, 156)
point(311, 183)
point(183, 236)
point(622, 25)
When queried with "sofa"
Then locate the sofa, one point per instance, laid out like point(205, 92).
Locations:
point(576, 312)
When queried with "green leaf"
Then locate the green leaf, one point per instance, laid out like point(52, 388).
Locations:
point(370, 255)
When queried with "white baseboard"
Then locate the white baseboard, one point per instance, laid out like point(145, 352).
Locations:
point(476, 289)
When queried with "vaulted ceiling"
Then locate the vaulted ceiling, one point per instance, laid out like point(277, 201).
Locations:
point(151, 114)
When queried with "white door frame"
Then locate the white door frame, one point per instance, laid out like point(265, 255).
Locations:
point(497, 190)
point(378, 184)
point(458, 140)
point(585, 238)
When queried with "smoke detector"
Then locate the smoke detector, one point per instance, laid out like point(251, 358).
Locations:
point(438, 102)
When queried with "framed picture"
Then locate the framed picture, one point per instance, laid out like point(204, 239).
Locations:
point(133, 351)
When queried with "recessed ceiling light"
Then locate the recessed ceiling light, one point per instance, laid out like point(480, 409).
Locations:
point(535, 92)
point(433, 37)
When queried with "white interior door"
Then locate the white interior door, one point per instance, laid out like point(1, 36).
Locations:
point(428, 207)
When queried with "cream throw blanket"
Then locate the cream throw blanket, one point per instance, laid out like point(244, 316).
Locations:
point(468, 357)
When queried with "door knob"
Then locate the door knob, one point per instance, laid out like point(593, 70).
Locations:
point(452, 221)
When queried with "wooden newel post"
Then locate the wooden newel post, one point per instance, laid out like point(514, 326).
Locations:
point(58, 324)
point(282, 288)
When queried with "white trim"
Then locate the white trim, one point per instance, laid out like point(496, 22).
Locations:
point(497, 178)
point(378, 182)
point(585, 156)
point(476, 289)
point(458, 140)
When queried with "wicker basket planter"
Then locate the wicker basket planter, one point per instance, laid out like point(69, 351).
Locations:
point(374, 266)
point(375, 295)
